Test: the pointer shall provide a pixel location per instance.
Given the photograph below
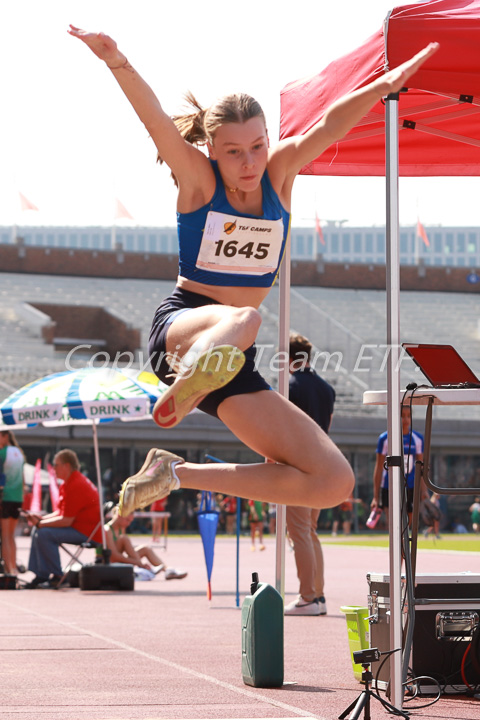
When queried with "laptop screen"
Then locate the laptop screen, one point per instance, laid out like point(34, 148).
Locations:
point(441, 365)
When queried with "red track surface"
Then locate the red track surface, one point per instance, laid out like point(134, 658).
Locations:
point(163, 651)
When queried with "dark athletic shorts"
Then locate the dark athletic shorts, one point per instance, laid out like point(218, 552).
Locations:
point(10, 509)
point(248, 379)
point(384, 499)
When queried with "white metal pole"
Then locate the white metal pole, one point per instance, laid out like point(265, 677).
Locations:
point(283, 377)
point(393, 395)
point(99, 481)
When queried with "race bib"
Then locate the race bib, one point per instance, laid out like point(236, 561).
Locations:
point(233, 244)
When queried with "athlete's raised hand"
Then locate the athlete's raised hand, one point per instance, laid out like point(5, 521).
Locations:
point(346, 112)
point(185, 160)
point(395, 79)
point(100, 44)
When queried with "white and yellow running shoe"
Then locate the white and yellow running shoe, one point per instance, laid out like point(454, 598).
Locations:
point(154, 481)
point(213, 369)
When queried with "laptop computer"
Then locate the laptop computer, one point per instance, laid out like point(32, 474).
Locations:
point(442, 365)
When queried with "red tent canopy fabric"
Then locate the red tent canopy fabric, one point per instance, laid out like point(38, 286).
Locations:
point(439, 128)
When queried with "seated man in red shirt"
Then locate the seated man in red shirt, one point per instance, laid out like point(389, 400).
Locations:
point(77, 516)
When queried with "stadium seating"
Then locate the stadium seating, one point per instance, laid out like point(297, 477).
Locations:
point(344, 324)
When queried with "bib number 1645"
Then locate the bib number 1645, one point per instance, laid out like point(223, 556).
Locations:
point(259, 251)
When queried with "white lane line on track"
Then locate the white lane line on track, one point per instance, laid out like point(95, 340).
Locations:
point(173, 665)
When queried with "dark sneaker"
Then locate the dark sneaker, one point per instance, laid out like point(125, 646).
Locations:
point(33, 584)
point(53, 583)
point(154, 481)
point(212, 370)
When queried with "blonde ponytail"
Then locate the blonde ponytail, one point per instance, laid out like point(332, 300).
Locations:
point(190, 126)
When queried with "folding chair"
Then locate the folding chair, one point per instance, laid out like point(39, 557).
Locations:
point(88, 544)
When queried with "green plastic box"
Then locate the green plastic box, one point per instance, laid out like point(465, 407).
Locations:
point(262, 638)
point(358, 629)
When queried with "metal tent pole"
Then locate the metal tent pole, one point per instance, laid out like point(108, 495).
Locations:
point(99, 481)
point(395, 441)
point(283, 376)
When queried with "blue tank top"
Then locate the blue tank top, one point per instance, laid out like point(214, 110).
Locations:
point(220, 246)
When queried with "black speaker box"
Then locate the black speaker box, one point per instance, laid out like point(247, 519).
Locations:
point(116, 576)
point(447, 613)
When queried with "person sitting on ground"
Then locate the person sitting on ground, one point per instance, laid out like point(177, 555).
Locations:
point(77, 517)
point(122, 549)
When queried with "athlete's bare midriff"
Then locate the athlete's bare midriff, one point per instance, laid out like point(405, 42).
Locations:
point(234, 296)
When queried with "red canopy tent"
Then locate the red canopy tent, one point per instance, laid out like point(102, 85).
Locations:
point(439, 129)
point(430, 129)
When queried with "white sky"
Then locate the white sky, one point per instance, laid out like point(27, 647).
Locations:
point(70, 142)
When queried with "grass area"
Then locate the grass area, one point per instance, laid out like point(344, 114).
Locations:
point(448, 541)
point(460, 543)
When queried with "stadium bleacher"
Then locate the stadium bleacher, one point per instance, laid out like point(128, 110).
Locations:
point(348, 326)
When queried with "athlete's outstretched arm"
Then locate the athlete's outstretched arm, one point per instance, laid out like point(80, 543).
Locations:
point(346, 112)
point(186, 161)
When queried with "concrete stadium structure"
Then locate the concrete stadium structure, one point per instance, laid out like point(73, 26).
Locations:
point(346, 326)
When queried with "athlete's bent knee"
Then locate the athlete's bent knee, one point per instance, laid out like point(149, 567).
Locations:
point(250, 320)
point(337, 487)
point(345, 484)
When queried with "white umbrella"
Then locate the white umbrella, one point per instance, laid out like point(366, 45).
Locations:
point(88, 396)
